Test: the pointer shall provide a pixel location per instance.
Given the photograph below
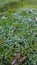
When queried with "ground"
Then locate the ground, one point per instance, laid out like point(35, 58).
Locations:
point(18, 31)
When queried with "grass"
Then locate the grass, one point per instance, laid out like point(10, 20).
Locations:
point(17, 33)
point(12, 4)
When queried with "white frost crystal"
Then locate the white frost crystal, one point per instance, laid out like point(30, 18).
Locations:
point(30, 10)
point(29, 19)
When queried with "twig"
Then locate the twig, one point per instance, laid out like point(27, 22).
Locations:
point(16, 58)
point(23, 60)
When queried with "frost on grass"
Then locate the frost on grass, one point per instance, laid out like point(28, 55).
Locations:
point(18, 34)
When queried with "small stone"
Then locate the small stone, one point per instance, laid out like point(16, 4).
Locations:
point(4, 17)
point(36, 18)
